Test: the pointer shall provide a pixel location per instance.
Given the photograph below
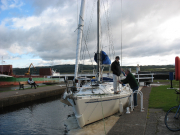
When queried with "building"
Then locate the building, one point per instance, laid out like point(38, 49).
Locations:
point(6, 69)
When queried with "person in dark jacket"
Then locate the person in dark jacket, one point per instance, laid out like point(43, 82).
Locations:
point(31, 82)
point(115, 68)
point(132, 82)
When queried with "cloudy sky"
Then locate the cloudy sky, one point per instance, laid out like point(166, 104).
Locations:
point(42, 32)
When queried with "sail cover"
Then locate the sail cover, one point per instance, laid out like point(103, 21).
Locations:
point(105, 58)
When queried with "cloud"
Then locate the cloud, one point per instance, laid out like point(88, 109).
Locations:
point(4, 53)
point(6, 4)
point(149, 28)
point(35, 59)
point(49, 36)
point(42, 5)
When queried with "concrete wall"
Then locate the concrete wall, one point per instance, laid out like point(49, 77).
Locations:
point(29, 97)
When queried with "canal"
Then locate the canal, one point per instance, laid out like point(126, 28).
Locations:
point(45, 116)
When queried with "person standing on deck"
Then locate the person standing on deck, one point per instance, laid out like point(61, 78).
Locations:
point(115, 68)
point(132, 82)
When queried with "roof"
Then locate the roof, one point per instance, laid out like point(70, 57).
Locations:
point(2, 75)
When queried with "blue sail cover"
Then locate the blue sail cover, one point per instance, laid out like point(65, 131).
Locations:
point(105, 58)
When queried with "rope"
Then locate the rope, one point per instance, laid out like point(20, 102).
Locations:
point(105, 30)
point(86, 38)
point(106, 18)
point(110, 32)
point(88, 52)
point(110, 36)
point(103, 116)
point(77, 14)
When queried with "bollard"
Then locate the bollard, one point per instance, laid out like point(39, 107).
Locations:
point(127, 110)
point(120, 107)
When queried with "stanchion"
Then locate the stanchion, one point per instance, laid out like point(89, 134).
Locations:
point(171, 77)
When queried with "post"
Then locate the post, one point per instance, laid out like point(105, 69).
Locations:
point(152, 77)
point(109, 69)
point(171, 84)
point(171, 77)
point(98, 42)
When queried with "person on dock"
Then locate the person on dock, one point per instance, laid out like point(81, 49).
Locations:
point(31, 82)
point(132, 82)
point(115, 68)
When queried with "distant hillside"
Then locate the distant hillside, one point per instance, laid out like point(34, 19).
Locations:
point(89, 69)
point(57, 68)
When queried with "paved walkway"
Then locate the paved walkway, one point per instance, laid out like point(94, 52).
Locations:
point(155, 123)
point(149, 122)
point(135, 122)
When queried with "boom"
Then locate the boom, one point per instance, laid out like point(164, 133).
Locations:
point(28, 72)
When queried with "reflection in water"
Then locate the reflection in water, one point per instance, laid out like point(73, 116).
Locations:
point(45, 116)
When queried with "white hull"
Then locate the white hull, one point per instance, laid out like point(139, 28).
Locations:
point(89, 108)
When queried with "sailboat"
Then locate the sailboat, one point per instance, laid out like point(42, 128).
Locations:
point(94, 99)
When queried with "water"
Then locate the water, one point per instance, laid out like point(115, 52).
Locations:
point(45, 116)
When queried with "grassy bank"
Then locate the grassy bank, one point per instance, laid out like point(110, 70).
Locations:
point(161, 97)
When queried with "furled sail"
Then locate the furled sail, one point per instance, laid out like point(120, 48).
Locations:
point(105, 58)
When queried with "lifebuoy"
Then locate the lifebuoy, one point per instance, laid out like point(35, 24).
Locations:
point(177, 68)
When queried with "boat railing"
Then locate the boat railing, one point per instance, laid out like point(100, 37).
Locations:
point(141, 97)
point(144, 77)
point(51, 79)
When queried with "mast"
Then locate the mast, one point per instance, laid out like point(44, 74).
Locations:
point(121, 33)
point(98, 42)
point(79, 39)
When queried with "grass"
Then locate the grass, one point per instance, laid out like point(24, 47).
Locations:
point(161, 97)
point(166, 81)
point(6, 90)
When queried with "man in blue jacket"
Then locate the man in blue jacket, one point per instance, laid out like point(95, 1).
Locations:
point(115, 68)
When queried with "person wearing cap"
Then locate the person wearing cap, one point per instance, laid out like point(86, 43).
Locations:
point(32, 83)
point(132, 82)
point(115, 68)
